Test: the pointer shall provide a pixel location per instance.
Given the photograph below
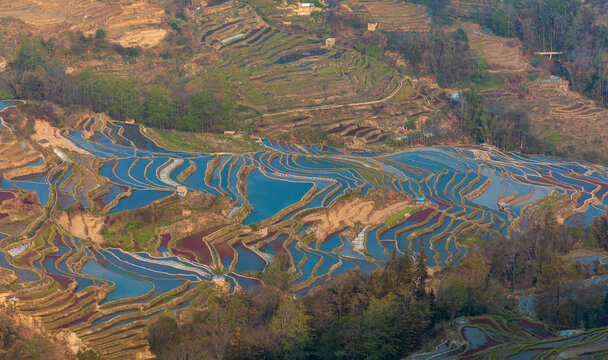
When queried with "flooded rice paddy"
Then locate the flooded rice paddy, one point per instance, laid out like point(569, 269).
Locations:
point(460, 190)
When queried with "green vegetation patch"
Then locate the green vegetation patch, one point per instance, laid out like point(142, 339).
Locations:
point(398, 217)
point(202, 143)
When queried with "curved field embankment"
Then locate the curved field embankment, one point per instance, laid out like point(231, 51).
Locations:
point(319, 205)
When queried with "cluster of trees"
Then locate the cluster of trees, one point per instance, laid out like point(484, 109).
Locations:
point(503, 126)
point(36, 75)
point(599, 230)
point(509, 127)
point(558, 25)
point(534, 259)
point(385, 315)
point(437, 8)
point(391, 312)
point(445, 55)
point(567, 303)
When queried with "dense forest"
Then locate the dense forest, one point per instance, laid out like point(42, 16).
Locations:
point(381, 316)
point(395, 310)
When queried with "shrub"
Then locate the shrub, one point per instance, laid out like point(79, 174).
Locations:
point(410, 123)
point(100, 34)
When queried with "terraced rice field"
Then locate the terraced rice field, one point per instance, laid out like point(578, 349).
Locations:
point(412, 99)
point(467, 9)
point(106, 295)
point(562, 105)
point(271, 67)
point(492, 337)
point(132, 23)
point(393, 15)
point(499, 53)
point(570, 116)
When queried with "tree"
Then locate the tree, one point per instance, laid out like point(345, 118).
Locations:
point(28, 57)
point(547, 238)
point(410, 123)
point(599, 230)
point(380, 329)
point(453, 295)
point(486, 129)
point(475, 274)
point(550, 304)
point(291, 325)
point(604, 311)
point(224, 315)
point(100, 34)
point(160, 110)
point(340, 292)
point(420, 272)
point(162, 335)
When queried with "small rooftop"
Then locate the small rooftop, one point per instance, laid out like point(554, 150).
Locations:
point(182, 191)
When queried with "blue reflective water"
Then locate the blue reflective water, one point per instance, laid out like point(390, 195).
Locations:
point(248, 260)
point(271, 195)
point(308, 267)
point(110, 317)
point(36, 186)
point(374, 248)
point(138, 200)
point(125, 287)
point(23, 275)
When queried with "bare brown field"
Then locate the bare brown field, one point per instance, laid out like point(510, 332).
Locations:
point(394, 15)
point(499, 53)
point(578, 121)
point(133, 23)
point(459, 9)
point(359, 126)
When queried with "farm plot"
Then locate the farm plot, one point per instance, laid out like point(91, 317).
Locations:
point(567, 114)
point(344, 123)
point(271, 67)
point(487, 191)
point(499, 53)
point(496, 337)
point(564, 105)
point(467, 9)
point(107, 295)
point(394, 15)
point(136, 23)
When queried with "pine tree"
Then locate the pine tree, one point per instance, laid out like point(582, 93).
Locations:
point(604, 311)
point(405, 269)
point(420, 271)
